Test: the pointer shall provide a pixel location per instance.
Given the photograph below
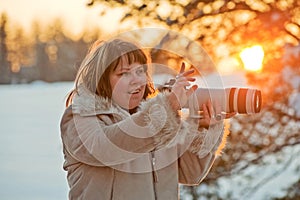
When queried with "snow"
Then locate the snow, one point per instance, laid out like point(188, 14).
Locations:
point(30, 148)
point(294, 80)
point(264, 181)
point(294, 102)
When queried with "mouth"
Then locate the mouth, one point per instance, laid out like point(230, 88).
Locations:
point(135, 91)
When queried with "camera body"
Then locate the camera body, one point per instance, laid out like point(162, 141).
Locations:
point(239, 100)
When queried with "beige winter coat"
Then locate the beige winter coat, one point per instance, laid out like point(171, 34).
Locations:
point(111, 155)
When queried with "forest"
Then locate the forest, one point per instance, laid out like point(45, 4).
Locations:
point(44, 53)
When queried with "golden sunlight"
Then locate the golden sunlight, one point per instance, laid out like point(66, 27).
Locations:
point(252, 58)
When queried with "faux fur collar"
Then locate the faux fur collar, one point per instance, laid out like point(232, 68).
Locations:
point(86, 103)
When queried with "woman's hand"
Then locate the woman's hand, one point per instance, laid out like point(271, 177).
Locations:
point(179, 94)
point(213, 115)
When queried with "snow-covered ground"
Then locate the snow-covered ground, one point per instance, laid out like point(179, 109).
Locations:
point(31, 151)
point(30, 148)
point(264, 181)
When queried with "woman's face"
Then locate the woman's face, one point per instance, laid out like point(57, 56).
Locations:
point(128, 84)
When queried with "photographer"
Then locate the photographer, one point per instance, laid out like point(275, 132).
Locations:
point(121, 140)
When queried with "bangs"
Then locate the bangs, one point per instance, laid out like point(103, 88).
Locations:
point(136, 56)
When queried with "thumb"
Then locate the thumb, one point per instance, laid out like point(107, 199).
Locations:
point(191, 90)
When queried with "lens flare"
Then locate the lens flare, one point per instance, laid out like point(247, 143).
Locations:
point(252, 58)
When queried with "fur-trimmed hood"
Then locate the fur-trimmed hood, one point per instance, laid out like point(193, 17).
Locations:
point(86, 103)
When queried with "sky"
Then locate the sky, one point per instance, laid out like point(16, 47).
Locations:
point(73, 12)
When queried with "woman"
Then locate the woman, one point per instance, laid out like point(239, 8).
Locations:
point(120, 142)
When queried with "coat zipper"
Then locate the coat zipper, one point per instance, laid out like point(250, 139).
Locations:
point(154, 173)
point(155, 177)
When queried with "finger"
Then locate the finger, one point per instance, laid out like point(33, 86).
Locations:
point(182, 68)
point(210, 109)
point(229, 115)
point(191, 90)
point(182, 78)
point(205, 112)
point(191, 79)
point(194, 87)
point(188, 72)
point(217, 107)
point(183, 84)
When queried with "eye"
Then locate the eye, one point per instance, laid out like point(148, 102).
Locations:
point(124, 74)
point(140, 71)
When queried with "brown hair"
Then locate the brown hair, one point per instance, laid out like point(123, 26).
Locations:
point(103, 57)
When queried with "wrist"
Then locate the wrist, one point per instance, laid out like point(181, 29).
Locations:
point(174, 103)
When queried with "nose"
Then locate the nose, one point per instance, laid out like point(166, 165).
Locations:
point(138, 78)
point(135, 78)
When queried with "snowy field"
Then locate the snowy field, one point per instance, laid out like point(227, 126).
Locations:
point(30, 147)
point(31, 150)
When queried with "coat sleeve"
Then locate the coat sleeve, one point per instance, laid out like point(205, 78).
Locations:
point(89, 140)
point(198, 158)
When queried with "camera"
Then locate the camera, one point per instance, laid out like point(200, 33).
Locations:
point(240, 100)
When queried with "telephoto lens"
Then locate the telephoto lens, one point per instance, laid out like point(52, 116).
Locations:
point(239, 100)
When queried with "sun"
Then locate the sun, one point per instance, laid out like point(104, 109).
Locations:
point(252, 57)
